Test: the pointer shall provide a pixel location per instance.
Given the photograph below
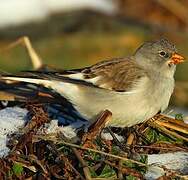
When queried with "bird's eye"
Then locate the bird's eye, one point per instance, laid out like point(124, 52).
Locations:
point(163, 54)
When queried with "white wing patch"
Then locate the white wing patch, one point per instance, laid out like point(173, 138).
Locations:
point(43, 82)
point(80, 76)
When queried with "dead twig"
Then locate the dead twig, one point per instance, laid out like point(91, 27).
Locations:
point(96, 128)
point(34, 160)
point(171, 123)
point(125, 170)
point(169, 133)
point(172, 126)
point(36, 61)
point(60, 141)
point(122, 146)
point(161, 146)
point(65, 160)
point(130, 139)
point(83, 163)
point(39, 117)
point(120, 174)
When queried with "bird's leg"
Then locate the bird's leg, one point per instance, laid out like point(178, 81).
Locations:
point(36, 61)
point(139, 132)
point(126, 148)
point(118, 143)
point(96, 128)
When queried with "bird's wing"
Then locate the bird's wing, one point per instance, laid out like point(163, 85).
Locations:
point(117, 75)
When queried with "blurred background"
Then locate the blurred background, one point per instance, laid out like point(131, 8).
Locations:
point(76, 33)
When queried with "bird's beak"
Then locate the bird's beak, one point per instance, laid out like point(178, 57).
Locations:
point(176, 59)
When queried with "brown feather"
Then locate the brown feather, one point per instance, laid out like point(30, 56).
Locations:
point(118, 74)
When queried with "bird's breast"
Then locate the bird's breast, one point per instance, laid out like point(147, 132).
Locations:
point(156, 91)
point(128, 108)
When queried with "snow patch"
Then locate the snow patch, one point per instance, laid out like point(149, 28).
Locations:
point(108, 136)
point(177, 161)
point(10, 120)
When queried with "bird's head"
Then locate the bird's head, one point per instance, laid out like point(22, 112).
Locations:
point(158, 55)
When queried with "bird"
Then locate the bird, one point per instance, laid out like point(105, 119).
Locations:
point(133, 88)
